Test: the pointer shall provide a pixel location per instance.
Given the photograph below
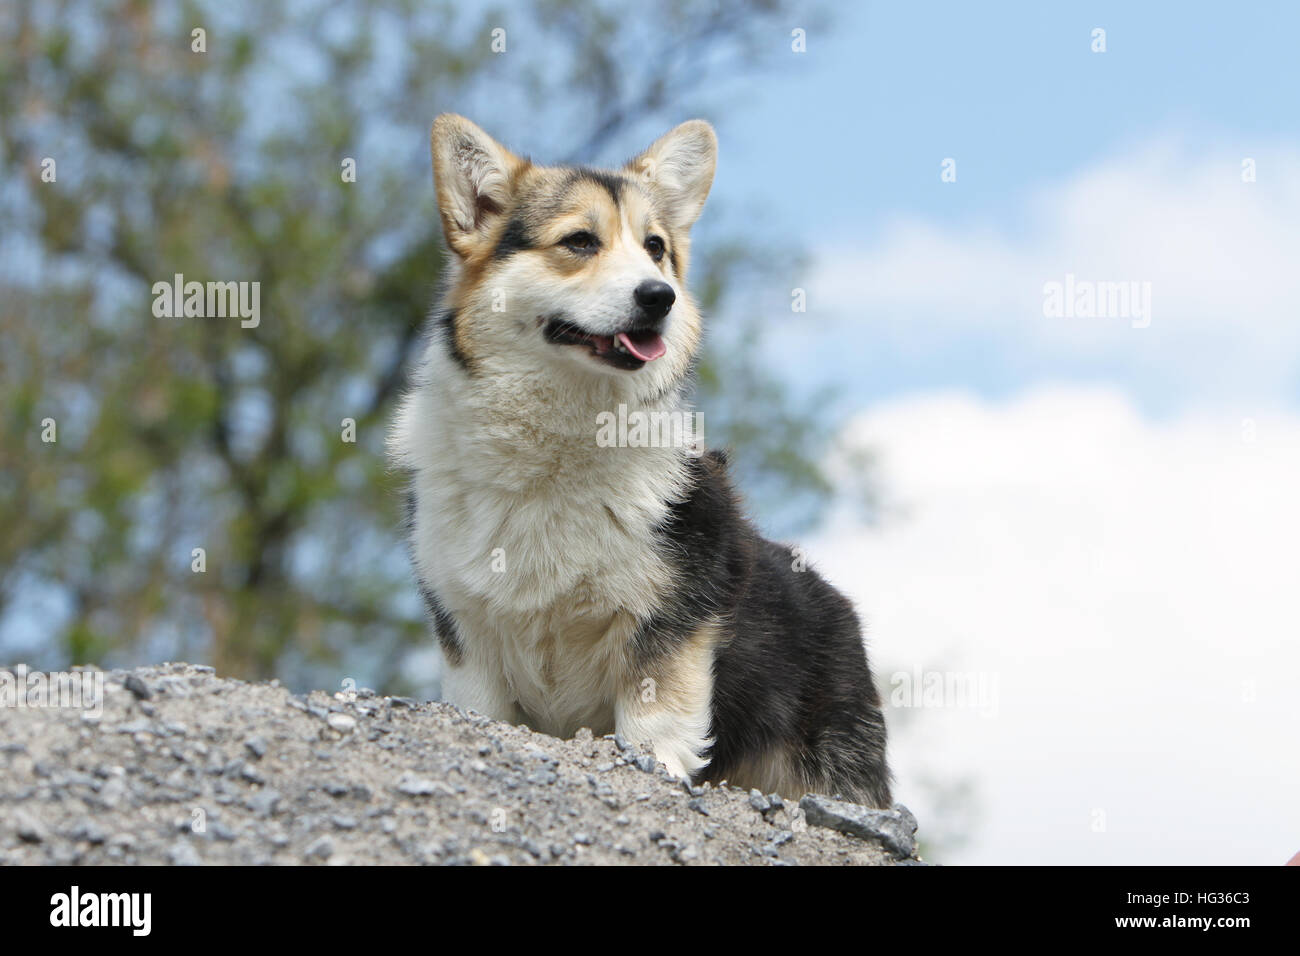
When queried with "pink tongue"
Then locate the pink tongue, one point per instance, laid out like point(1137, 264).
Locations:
point(647, 350)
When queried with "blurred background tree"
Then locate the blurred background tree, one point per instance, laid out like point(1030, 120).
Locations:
point(218, 156)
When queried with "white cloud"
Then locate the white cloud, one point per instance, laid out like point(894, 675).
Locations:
point(1221, 256)
point(1131, 585)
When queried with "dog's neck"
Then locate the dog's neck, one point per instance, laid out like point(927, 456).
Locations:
point(521, 428)
point(546, 401)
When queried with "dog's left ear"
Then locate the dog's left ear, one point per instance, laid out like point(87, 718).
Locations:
point(678, 167)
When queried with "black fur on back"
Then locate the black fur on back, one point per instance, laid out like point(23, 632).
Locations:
point(791, 676)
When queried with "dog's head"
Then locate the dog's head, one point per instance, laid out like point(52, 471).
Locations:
point(569, 270)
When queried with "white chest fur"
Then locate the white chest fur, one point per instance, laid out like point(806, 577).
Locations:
point(539, 541)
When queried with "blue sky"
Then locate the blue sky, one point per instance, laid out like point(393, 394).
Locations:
point(1012, 90)
point(841, 153)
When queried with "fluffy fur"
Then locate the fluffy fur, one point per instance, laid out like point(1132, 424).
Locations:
point(617, 588)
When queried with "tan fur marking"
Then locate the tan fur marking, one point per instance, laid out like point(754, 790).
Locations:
point(673, 712)
point(775, 772)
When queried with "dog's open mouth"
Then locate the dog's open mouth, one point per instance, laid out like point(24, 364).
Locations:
point(630, 350)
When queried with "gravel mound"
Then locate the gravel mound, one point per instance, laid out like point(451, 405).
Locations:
point(184, 767)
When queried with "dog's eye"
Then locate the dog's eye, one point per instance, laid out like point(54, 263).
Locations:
point(655, 246)
point(581, 242)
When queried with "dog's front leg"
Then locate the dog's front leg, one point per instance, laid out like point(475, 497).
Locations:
point(473, 684)
point(668, 704)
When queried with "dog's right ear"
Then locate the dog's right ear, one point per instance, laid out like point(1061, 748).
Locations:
point(473, 175)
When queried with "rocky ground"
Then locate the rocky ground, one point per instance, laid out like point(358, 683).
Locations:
point(184, 767)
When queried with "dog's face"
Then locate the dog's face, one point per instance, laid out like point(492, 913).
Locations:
point(573, 271)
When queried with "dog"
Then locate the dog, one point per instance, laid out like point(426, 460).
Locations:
point(573, 584)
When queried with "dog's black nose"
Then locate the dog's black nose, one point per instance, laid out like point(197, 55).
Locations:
point(655, 298)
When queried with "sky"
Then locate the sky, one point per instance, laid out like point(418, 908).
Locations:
point(1089, 517)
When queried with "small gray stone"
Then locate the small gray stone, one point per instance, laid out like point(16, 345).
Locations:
point(28, 828)
point(264, 802)
point(256, 746)
point(88, 831)
point(320, 849)
point(415, 786)
point(759, 802)
point(343, 723)
point(894, 829)
point(138, 687)
point(182, 854)
point(222, 832)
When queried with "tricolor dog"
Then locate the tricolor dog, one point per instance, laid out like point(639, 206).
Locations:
point(572, 583)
